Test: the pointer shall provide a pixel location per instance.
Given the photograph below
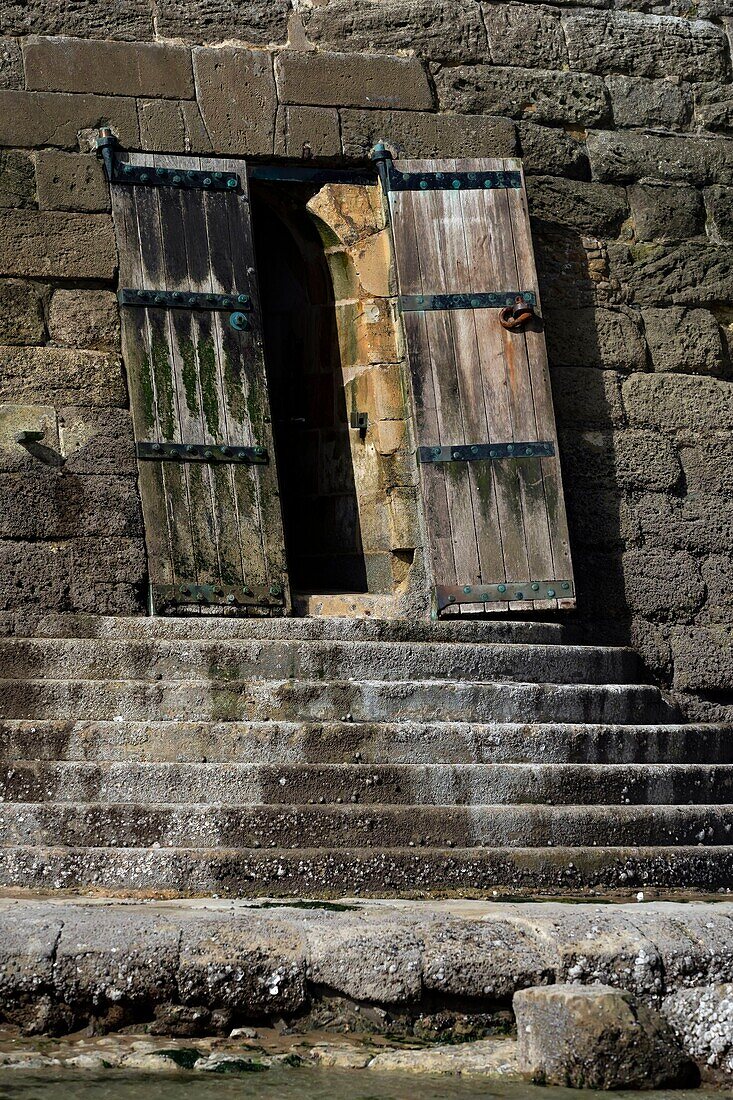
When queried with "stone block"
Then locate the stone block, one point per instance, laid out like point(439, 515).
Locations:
point(603, 522)
point(662, 585)
point(34, 575)
point(666, 213)
point(257, 967)
point(546, 150)
point(441, 30)
point(22, 312)
point(713, 102)
point(55, 505)
point(126, 19)
point(563, 257)
point(11, 64)
point(589, 207)
point(59, 376)
point(57, 245)
point(719, 205)
point(237, 97)
point(366, 961)
point(487, 959)
point(352, 80)
point(95, 441)
point(595, 337)
point(27, 953)
point(617, 157)
point(414, 134)
point(531, 33)
point(717, 572)
point(557, 98)
point(699, 522)
point(84, 319)
point(645, 460)
point(639, 102)
point(17, 180)
point(71, 181)
point(106, 561)
point(703, 658)
point(708, 466)
point(644, 45)
point(172, 124)
point(352, 213)
point(702, 1019)
point(55, 118)
point(586, 398)
point(112, 68)
point(307, 132)
point(14, 419)
point(596, 1037)
point(686, 341)
point(258, 21)
point(679, 403)
point(691, 273)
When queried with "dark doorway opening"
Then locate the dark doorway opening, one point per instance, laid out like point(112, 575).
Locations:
point(305, 379)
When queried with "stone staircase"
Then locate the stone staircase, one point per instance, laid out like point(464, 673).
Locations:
point(322, 757)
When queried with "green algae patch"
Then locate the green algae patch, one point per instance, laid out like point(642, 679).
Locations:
point(209, 384)
point(183, 1057)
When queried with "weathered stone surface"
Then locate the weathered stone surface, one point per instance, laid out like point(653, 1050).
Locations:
point(666, 213)
point(595, 337)
point(128, 19)
point(714, 105)
point(691, 273)
point(54, 118)
point(554, 97)
point(708, 466)
point(442, 30)
point(172, 124)
point(662, 585)
point(546, 150)
point(587, 398)
point(698, 522)
point(34, 575)
point(112, 68)
point(631, 459)
point(69, 181)
point(702, 1019)
point(108, 575)
point(377, 961)
point(596, 1037)
point(22, 418)
point(58, 376)
point(95, 441)
point(60, 245)
point(603, 522)
point(491, 961)
point(616, 157)
point(307, 132)
point(21, 312)
point(639, 45)
point(414, 134)
point(11, 64)
point(682, 340)
point(564, 258)
point(351, 80)
point(639, 102)
point(589, 207)
point(531, 33)
point(679, 403)
point(237, 97)
point(719, 204)
point(258, 21)
point(84, 319)
point(703, 658)
point(482, 1058)
point(27, 953)
point(17, 180)
point(56, 505)
point(352, 214)
point(717, 572)
point(253, 966)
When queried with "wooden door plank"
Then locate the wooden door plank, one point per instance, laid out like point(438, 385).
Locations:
point(137, 357)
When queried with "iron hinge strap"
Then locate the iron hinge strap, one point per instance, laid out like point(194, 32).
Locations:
point(451, 181)
point(480, 452)
point(489, 300)
point(202, 452)
point(182, 299)
point(184, 179)
point(505, 592)
point(216, 595)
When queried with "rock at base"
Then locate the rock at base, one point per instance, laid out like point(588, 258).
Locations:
point(596, 1037)
point(703, 1021)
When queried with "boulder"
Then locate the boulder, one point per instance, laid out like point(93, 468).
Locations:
point(596, 1037)
point(702, 1019)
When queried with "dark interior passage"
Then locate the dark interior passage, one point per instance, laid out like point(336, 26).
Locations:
point(310, 419)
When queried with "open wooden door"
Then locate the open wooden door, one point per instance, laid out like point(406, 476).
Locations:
point(192, 348)
point(494, 511)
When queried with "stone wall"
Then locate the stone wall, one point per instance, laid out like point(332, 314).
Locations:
point(623, 113)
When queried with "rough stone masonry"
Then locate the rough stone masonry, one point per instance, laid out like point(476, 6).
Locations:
point(622, 111)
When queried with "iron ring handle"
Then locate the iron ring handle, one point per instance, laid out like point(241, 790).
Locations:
point(515, 317)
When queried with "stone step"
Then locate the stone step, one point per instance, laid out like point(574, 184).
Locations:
point(387, 872)
point(366, 700)
point(402, 784)
point(351, 742)
point(211, 627)
point(95, 659)
point(135, 825)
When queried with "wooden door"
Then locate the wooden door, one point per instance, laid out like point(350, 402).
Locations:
point(494, 511)
point(192, 348)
